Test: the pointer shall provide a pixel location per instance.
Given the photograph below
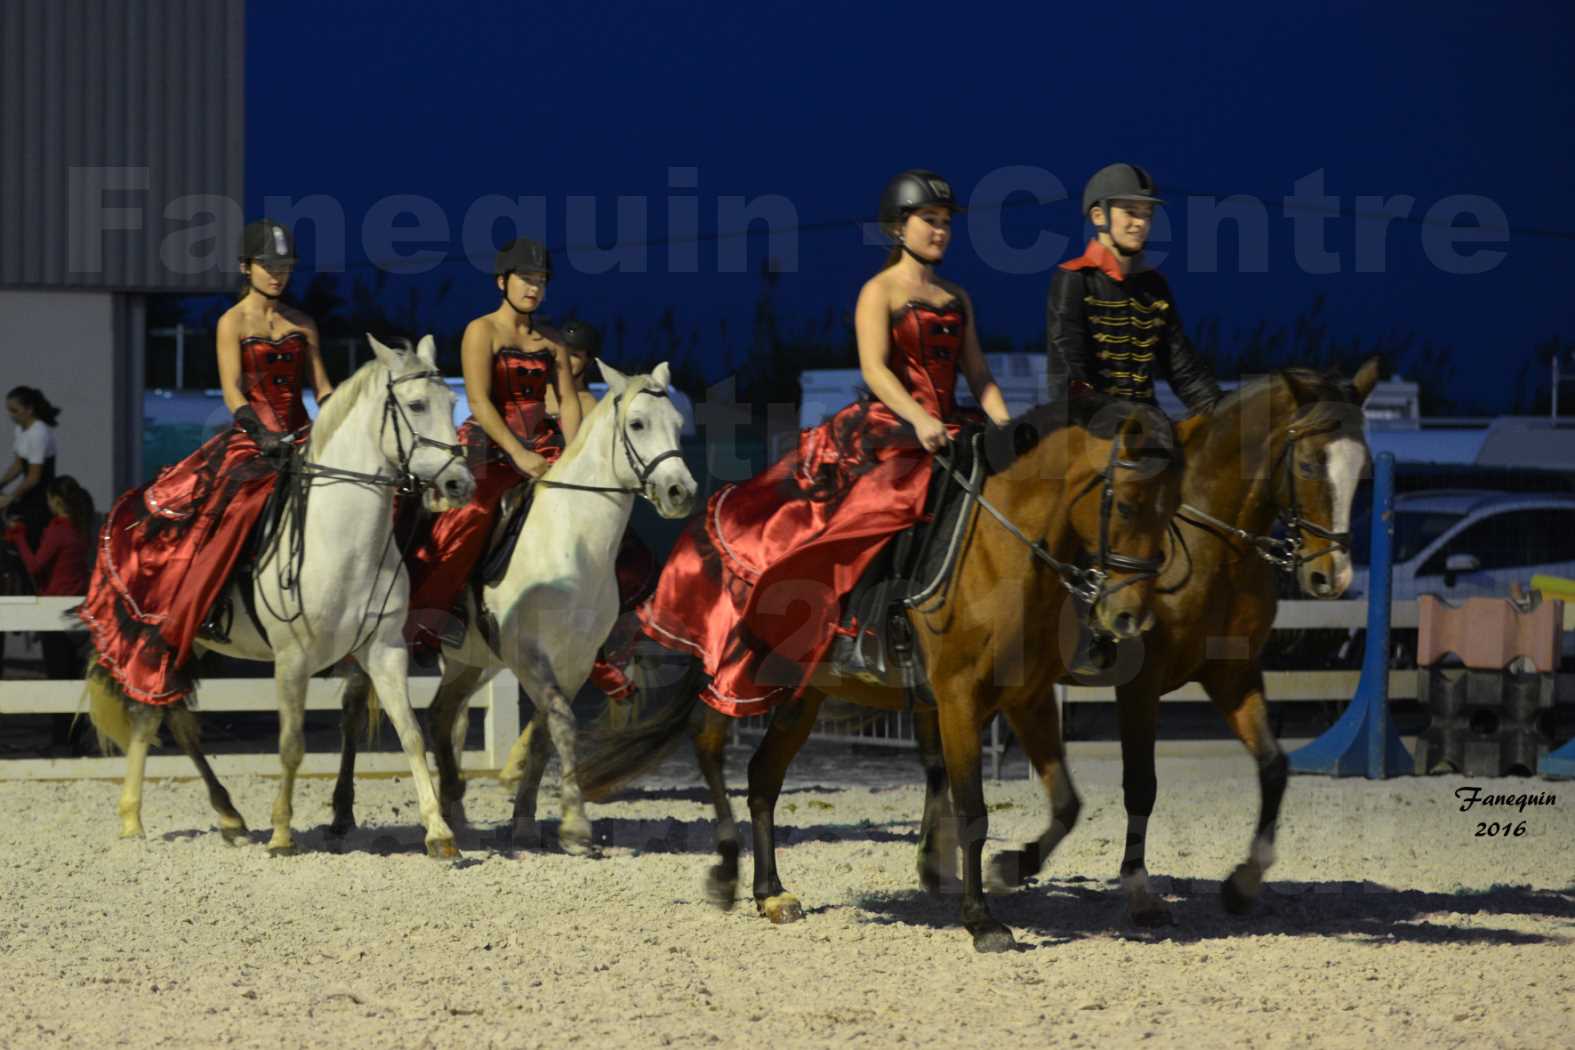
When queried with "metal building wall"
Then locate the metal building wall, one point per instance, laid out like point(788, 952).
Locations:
point(145, 100)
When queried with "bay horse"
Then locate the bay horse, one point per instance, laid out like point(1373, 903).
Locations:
point(557, 601)
point(331, 585)
point(993, 640)
point(1288, 448)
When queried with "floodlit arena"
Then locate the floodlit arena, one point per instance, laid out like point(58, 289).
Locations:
point(512, 538)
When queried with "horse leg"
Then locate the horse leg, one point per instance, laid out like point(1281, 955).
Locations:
point(448, 724)
point(721, 884)
point(1038, 729)
point(960, 725)
point(790, 727)
point(1237, 691)
point(145, 720)
point(1137, 709)
point(938, 832)
point(532, 750)
point(183, 724)
point(388, 664)
point(290, 681)
point(536, 675)
point(353, 715)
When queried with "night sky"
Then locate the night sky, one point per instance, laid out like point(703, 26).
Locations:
point(821, 103)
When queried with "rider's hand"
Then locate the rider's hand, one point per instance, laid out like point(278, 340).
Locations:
point(531, 464)
point(932, 434)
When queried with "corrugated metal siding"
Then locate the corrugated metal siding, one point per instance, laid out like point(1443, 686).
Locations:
point(155, 88)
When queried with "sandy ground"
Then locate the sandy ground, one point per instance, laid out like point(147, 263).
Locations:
point(1387, 923)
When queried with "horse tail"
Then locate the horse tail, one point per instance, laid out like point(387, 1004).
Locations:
point(359, 690)
point(614, 757)
point(109, 708)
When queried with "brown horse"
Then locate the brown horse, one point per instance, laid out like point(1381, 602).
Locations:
point(1289, 448)
point(988, 643)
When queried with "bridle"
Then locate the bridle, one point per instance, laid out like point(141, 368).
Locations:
point(642, 467)
point(404, 481)
point(1086, 583)
point(1284, 554)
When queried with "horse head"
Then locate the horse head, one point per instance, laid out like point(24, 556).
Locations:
point(647, 454)
point(1318, 458)
point(1123, 489)
point(415, 430)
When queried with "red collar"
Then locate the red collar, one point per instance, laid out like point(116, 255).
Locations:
point(1096, 257)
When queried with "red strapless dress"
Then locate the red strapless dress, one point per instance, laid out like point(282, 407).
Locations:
point(755, 586)
point(167, 549)
point(445, 558)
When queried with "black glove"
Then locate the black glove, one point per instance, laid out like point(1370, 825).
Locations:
point(271, 443)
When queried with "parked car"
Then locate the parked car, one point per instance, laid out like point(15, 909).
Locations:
point(1461, 544)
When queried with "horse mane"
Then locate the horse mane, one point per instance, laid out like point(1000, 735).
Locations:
point(1101, 417)
point(346, 394)
point(572, 450)
point(1333, 395)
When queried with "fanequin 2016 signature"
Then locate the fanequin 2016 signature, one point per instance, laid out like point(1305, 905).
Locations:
point(1471, 795)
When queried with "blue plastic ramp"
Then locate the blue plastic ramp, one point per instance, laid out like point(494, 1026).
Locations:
point(1364, 742)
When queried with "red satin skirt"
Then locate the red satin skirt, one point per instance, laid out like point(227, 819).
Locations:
point(755, 587)
point(164, 556)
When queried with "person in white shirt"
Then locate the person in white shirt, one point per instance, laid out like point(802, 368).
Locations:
point(34, 445)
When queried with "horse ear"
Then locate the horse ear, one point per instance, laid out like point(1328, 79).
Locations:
point(1366, 378)
point(616, 380)
point(662, 374)
point(387, 356)
point(427, 351)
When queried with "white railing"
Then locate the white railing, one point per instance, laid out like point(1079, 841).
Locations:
point(500, 700)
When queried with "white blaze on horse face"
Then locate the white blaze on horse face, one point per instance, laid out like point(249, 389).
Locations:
point(1346, 458)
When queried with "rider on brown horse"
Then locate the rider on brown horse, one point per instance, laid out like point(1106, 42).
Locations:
point(1112, 322)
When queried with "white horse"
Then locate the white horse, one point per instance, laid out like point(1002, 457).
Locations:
point(389, 428)
point(558, 599)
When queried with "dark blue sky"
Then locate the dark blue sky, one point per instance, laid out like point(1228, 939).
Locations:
point(821, 103)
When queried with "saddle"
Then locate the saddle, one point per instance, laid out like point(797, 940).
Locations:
point(874, 641)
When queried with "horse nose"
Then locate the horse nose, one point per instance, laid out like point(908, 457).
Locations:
point(454, 488)
point(1320, 583)
point(676, 493)
point(1125, 625)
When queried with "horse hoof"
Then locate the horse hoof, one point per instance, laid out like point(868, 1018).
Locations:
point(992, 937)
point(1007, 872)
point(528, 837)
point(341, 827)
point(781, 909)
point(576, 842)
point(442, 849)
point(282, 851)
point(233, 836)
point(721, 887)
point(131, 833)
point(1236, 900)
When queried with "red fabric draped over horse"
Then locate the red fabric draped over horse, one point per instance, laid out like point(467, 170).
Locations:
point(166, 550)
point(755, 586)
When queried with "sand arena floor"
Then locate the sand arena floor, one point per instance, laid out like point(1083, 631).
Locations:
point(1387, 922)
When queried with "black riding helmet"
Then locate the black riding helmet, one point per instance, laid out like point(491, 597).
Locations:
point(1118, 182)
point(581, 337)
point(523, 255)
point(263, 240)
point(912, 190)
